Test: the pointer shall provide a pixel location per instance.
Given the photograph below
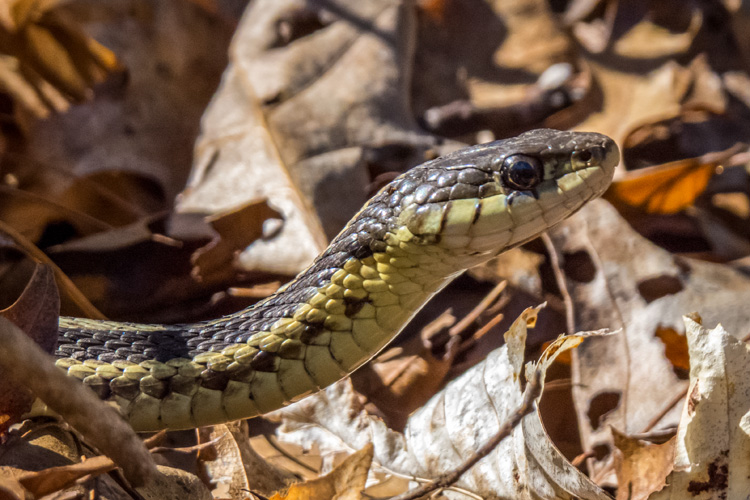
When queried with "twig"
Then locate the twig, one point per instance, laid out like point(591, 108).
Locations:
point(561, 283)
point(66, 284)
point(532, 392)
point(479, 309)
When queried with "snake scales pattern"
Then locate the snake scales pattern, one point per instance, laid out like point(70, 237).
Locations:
point(413, 237)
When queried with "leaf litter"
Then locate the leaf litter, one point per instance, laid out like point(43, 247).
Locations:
point(324, 98)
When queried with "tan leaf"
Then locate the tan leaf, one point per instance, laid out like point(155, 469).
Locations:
point(641, 467)
point(452, 425)
point(233, 466)
point(348, 86)
point(345, 482)
point(237, 229)
point(55, 479)
point(647, 40)
point(713, 438)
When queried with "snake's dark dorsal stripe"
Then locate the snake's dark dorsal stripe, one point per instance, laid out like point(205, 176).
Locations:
point(411, 239)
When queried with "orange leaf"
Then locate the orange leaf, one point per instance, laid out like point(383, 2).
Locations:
point(671, 187)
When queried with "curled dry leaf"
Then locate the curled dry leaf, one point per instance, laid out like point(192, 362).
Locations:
point(451, 426)
point(70, 293)
point(236, 229)
point(233, 467)
point(713, 438)
point(36, 312)
point(627, 381)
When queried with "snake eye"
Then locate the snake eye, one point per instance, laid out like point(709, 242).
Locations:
point(588, 157)
point(521, 172)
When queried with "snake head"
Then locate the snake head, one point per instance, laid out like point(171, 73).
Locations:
point(480, 201)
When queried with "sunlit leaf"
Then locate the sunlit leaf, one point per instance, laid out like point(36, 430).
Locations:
point(55, 58)
point(671, 187)
point(345, 482)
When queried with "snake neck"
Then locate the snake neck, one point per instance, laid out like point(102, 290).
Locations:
point(330, 320)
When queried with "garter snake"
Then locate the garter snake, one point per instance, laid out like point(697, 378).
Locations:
point(413, 237)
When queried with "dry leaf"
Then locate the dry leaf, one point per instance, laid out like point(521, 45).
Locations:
point(236, 229)
point(46, 458)
point(454, 423)
point(626, 381)
point(668, 188)
point(233, 466)
point(36, 312)
point(642, 467)
point(649, 40)
point(713, 438)
point(49, 47)
point(345, 482)
point(143, 124)
point(346, 82)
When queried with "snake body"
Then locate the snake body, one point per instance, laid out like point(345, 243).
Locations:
point(405, 244)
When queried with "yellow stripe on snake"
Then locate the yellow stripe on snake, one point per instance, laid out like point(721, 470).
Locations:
point(411, 239)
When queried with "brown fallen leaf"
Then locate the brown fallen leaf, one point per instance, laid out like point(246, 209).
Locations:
point(55, 479)
point(10, 489)
point(345, 482)
point(36, 312)
point(10, 237)
point(662, 32)
point(236, 229)
point(233, 467)
point(47, 457)
point(511, 70)
point(641, 467)
point(37, 309)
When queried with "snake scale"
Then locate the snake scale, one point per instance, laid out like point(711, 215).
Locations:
point(411, 239)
